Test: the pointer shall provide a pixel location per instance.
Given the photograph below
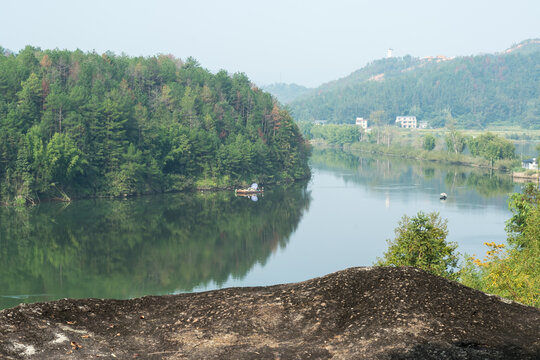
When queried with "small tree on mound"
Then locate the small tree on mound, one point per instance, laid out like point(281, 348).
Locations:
point(421, 242)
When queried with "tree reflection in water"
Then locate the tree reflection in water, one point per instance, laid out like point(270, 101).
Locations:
point(140, 246)
point(375, 170)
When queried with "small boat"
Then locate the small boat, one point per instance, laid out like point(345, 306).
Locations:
point(253, 189)
point(443, 196)
point(248, 191)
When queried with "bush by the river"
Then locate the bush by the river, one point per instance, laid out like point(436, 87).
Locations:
point(421, 242)
point(510, 270)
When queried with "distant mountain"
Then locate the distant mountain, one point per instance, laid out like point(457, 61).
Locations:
point(501, 88)
point(525, 47)
point(285, 93)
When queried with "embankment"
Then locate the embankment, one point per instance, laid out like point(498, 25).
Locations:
point(358, 313)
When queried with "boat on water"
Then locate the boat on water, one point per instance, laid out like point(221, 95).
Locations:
point(443, 196)
point(252, 190)
point(248, 191)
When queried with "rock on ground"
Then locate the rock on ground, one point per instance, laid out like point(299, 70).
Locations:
point(358, 313)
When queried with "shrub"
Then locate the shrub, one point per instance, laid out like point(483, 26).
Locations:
point(429, 142)
point(515, 272)
point(421, 242)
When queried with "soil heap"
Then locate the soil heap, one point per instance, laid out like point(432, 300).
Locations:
point(358, 313)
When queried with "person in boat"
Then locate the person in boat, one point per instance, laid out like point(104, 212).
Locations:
point(254, 188)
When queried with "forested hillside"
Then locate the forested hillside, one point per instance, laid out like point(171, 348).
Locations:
point(85, 124)
point(285, 93)
point(501, 89)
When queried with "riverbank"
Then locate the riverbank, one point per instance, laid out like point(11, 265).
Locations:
point(358, 313)
point(409, 152)
point(526, 177)
point(199, 186)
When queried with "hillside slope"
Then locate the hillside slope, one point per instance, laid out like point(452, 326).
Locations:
point(358, 313)
point(477, 91)
point(286, 93)
point(89, 124)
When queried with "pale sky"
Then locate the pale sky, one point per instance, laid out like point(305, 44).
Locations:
point(303, 42)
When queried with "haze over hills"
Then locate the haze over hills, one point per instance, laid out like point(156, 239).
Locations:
point(477, 91)
point(286, 93)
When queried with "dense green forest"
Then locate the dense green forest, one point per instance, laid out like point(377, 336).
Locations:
point(85, 124)
point(285, 93)
point(476, 91)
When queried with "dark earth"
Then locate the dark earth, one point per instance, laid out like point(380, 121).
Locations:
point(358, 313)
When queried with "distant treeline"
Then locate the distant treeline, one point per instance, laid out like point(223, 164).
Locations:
point(476, 91)
point(485, 149)
point(85, 124)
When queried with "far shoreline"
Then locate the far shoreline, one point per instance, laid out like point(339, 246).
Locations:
point(503, 166)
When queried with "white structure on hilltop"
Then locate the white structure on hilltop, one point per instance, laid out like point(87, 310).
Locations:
point(408, 122)
point(389, 53)
point(363, 123)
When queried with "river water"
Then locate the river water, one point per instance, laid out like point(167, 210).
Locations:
point(184, 242)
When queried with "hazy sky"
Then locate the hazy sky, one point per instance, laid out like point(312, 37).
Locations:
point(305, 42)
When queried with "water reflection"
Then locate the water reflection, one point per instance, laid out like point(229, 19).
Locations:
point(381, 173)
point(154, 245)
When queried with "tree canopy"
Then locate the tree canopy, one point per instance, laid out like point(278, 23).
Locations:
point(491, 147)
point(421, 242)
point(91, 124)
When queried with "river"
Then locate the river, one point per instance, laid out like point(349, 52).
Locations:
point(173, 243)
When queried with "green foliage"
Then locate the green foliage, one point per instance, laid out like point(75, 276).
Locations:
point(523, 207)
point(112, 125)
point(455, 140)
point(491, 147)
point(421, 242)
point(336, 134)
point(476, 90)
point(428, 142)
point(532, 117)
point(514, 273)
point(410, 149)
point(64, 159)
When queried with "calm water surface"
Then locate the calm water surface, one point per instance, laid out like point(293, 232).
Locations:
point(192, 242)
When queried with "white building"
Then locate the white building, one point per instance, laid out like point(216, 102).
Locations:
point(408, 122)
point(422, 125)
point(363, 123)
point(530, 164)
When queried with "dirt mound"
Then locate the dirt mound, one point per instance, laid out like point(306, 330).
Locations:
point(358, 313)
